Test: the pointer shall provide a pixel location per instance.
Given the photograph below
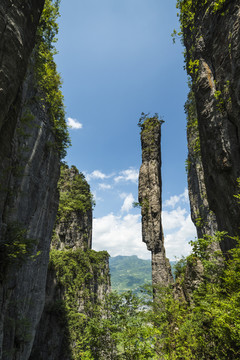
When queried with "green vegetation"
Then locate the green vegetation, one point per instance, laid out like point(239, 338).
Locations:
point(74, 191)
point(48, 79)
point(187, 16)
point(114, 328)
point(192, 128)
point(188, 9)
point(147, 123)
point(17, 247)
point(148, 126)
point(208, 328)
point(125, 327)
point(76, 273)
point(129, 273)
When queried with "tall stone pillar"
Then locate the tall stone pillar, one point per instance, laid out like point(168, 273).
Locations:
point(150, 199)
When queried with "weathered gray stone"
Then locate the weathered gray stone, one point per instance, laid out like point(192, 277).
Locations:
point(74, 229)
point(203, 218)
point(31, 201)
point(18, 24)
point(150, 199)
point(215, 44)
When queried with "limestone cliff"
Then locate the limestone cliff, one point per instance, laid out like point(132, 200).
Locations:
point(18, 24)
point(73, 227)
point(28, 219)
point(203, 218)
point(211, 35)
point(150, 199)
point(29, 171)
point(78, 277)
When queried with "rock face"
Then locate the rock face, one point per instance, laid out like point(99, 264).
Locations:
point(73, 227)
point(28, 218)
point(72, 292)
point(211, 35)
point(18, 24)
point(150, 199)
point(203, 218)
point(78, 277)
point(29, 171)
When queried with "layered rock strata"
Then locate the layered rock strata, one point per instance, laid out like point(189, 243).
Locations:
point(211, 33)
point(150, 200)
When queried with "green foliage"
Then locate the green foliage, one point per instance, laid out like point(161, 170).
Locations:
point(147, 123)
point(189, 8)
point(17, 247)
point(223, 98)
point(144, 205)
point(124, 332)
point(48, 78)
point(122, 327)
point(179, 267)
point(116, 328)
point(77, 272)
point(193, 66)
point(129, 273)
point(74, 191)
point(192, 128)
point(237, 196)
point(189, 12)
point(209, 327)
point(137, 205)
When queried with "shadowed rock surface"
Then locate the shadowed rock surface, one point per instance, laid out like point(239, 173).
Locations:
point(29, 172)
point(213, 48)
point(203, 218)
point(75, 271)
point(18, 24)
point(28, 218)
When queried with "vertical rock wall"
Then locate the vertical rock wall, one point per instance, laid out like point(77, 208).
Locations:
point(150, 199)
point(18, 24)
point(211, 32)
point(27, 222)
point(29, 171)
point(203, 218)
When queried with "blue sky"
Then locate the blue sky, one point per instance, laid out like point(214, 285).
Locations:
point(117, 59)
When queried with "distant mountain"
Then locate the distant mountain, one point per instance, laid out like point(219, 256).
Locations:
point(130, 273)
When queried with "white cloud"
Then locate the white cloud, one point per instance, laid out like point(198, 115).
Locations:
point(177, 242)
point(127, 175)
point(123, 195)
point(178, 229)
point(119, 235)
point(96, 174)
point(73, 123)
point(105, 186)
point(127, 204)
point(173, 219)
point(176, 199)
point(96, 197)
